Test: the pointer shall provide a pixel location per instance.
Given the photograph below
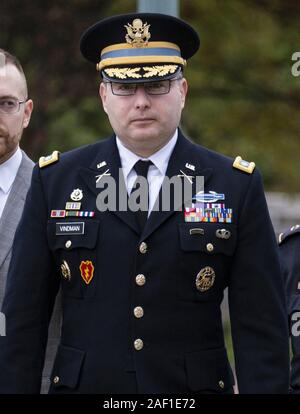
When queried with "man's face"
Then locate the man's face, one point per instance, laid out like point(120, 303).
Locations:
point(12, 85)
point(144, 122)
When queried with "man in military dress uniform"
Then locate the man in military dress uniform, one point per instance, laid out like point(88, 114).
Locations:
point(289, 247)
point(142, 290)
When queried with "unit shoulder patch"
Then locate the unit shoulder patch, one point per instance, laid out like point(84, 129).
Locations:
point(50, 159)
point(290, 232)
point(243, 165)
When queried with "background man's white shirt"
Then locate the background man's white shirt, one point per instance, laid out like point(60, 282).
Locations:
point(8, 172)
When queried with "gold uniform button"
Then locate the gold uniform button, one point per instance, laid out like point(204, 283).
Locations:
point(140, 280)
point(138, 312)
point(138, 344)
point(209, 247)
point(56, 380)
point(143, 248)
point(221, 384)
point(68, 244)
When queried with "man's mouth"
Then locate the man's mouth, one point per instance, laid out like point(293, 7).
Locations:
point(143, 120)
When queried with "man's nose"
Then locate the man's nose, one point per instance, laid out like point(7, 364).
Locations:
point(142, 99)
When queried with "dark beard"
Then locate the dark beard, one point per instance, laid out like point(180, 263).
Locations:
point(3, 132)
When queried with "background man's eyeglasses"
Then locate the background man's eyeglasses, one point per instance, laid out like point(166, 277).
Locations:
point(10, 105)
point(151, 88)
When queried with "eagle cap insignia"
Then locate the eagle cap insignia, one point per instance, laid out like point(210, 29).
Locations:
point(137, 33)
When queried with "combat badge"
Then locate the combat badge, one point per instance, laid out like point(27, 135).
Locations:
point(210, 197)
point(205, 279)
point(87, 271)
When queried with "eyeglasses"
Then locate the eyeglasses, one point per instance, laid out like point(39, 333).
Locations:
point(161, 87)
point(10, 105)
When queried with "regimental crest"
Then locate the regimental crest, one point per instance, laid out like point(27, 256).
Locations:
point(87, 270)
point(137, 33)
point(76, 194)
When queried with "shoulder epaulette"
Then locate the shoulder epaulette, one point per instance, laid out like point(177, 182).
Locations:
point(50, 159)
point(243, 165)
point(293, 230)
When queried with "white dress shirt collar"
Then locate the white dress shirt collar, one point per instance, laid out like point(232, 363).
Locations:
point(160, 159)
point(9, 170)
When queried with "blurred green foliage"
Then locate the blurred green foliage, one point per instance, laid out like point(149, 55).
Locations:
point(243, 99)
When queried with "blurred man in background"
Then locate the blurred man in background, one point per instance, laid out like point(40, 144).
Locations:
point(15, 166)
point(15, 175)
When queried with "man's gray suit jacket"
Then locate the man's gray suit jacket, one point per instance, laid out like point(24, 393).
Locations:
point(8, 224)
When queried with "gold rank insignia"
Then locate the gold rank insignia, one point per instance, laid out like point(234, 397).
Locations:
point(87, 270)
point(243, 165)
point(50, 159)
point(205, 279)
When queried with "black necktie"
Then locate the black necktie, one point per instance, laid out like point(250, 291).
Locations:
point(141, 167)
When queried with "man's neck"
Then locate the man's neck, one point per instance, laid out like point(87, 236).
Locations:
point(146, 152)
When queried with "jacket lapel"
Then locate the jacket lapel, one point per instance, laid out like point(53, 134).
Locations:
point(14, 206)
point(183, 154)
point(110, 156)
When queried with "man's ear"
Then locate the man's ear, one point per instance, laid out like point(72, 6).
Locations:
point(183, 91)
point(103, 95)
point(27, 113)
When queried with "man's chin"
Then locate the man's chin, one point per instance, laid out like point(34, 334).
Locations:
point(144, 133)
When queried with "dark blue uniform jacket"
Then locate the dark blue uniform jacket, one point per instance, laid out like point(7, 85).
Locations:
point(180, 345)
point(290, 262)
